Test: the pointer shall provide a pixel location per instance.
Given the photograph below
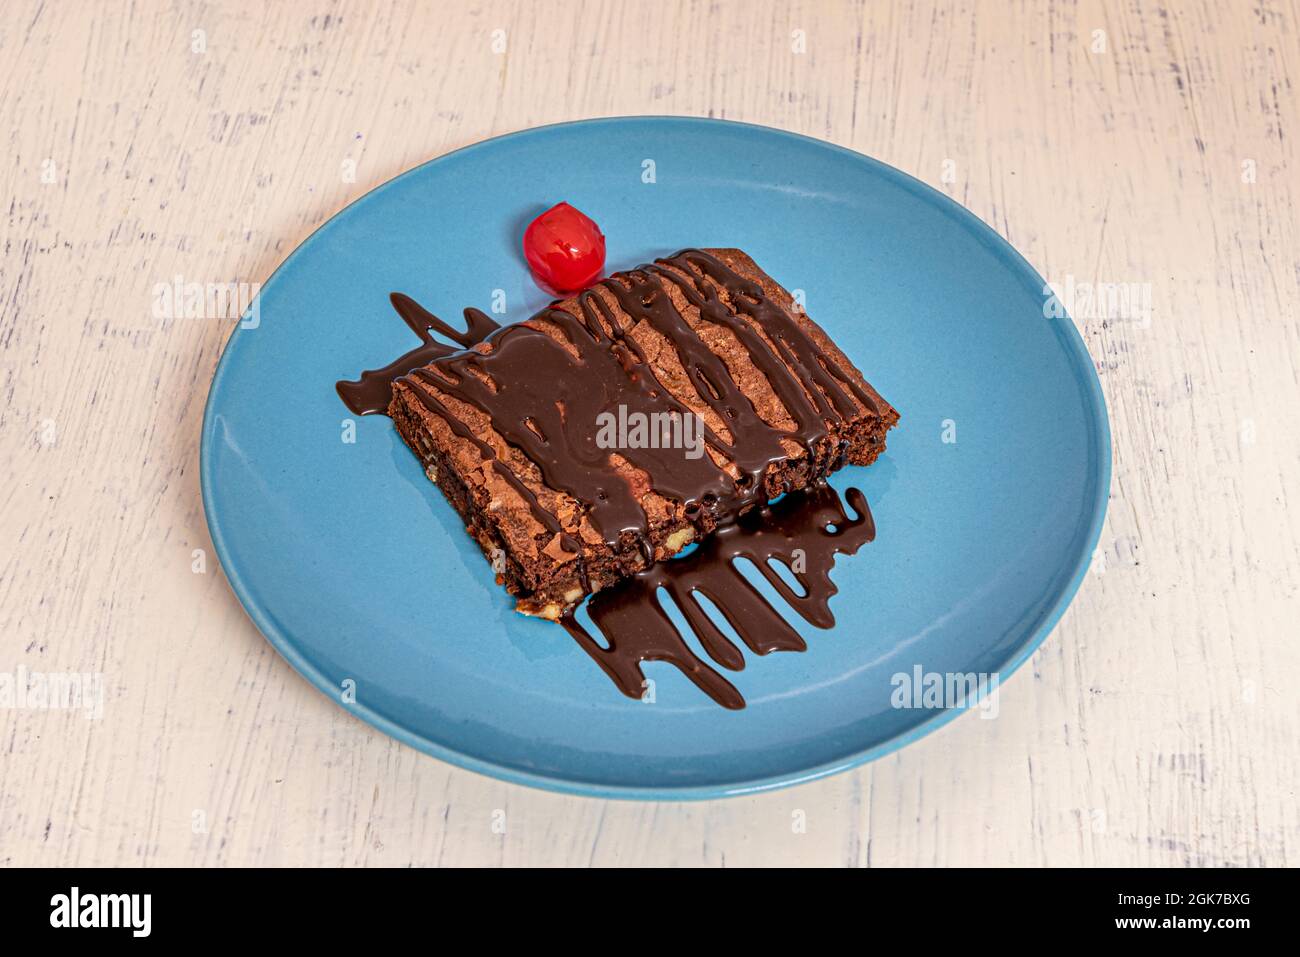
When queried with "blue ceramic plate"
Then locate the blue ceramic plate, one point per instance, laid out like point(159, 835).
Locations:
point(361, 575)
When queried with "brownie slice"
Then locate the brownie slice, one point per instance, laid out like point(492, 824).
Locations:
point(747, 396)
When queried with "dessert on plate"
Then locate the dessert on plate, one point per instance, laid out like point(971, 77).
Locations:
point(740, 398)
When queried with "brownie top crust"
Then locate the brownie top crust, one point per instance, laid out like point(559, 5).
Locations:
point(703, 333)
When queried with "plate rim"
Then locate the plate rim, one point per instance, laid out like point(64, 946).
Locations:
point(1077, 355)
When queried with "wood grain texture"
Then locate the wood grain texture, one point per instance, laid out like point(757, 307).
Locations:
point(1160, 724)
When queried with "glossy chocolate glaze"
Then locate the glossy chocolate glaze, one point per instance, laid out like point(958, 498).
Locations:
point(544, 397)
point(374, 390)
point(803, 530)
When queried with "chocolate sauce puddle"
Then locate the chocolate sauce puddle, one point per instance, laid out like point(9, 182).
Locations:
point(542, 395)
point(804, 530)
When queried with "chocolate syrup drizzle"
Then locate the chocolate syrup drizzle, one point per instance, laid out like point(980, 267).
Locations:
point(373, 392)
point(803, 530)
point(543, 394)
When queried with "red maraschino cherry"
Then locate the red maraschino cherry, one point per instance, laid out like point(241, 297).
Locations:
point(565, 250)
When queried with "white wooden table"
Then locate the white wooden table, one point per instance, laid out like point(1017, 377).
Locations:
point(1136, 142)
